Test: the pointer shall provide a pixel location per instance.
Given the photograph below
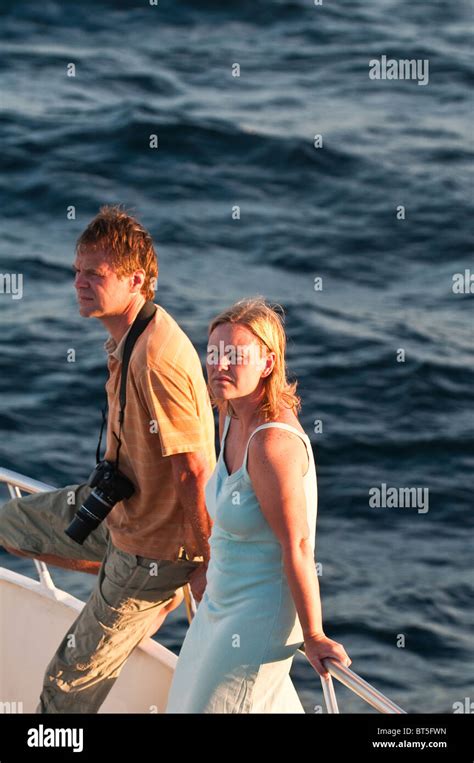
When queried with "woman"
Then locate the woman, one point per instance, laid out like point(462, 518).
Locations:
point(261, 601)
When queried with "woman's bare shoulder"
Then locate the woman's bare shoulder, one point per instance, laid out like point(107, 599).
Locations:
point(287, 416)
point(278, 444)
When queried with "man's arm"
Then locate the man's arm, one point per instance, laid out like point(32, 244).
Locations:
point(190, 474)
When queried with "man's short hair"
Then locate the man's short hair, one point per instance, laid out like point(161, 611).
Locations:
point(126, 243)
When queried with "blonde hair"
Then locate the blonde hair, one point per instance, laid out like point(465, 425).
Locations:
point(266, 322)
point(127, 243)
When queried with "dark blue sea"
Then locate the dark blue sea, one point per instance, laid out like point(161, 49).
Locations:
point(396, 582)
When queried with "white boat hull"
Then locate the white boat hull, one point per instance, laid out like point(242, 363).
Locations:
point(33, 622)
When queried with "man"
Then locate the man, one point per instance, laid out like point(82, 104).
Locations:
point(152, 543)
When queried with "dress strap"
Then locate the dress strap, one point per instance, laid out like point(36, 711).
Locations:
point(226, 429)
point(280, 425)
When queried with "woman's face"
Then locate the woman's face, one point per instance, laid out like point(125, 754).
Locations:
point(236, 362)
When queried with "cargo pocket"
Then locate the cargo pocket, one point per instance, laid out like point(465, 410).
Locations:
point(116, 580)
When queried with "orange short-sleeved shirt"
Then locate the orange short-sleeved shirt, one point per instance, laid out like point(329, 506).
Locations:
point(167, 411)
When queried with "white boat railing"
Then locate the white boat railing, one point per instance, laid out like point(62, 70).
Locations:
point(17, 482)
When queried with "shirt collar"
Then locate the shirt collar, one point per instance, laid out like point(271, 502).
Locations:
point(113, 349)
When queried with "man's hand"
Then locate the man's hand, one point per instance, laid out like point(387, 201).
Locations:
point(198, 582)
point(190, 474)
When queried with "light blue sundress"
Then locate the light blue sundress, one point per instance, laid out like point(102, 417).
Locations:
point(238, 650)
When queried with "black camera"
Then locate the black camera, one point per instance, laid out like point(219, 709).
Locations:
point(110, 486)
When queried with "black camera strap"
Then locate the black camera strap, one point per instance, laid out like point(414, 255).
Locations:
point(138, 327)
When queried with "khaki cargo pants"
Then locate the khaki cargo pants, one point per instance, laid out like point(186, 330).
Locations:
point(129, 594)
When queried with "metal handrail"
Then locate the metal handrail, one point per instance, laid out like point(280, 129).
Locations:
point(23, 482)
point(16, 483)
point(354, 682)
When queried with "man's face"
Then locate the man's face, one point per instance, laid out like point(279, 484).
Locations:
point(100, 292)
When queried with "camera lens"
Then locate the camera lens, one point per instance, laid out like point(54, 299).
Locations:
point(89, 516)
point(109, 486)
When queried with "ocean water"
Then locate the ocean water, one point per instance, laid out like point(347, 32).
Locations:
point(305, 213)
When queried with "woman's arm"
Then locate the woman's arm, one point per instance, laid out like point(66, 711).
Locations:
point(276, 464)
